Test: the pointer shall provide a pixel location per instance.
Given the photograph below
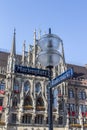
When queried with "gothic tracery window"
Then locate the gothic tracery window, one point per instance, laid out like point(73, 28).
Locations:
point(26, 87)
point(37, 87)
point(16, 86)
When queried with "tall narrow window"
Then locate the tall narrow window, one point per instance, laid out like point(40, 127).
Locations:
point(2, 88)
point(70, 93)
point(1, 101)
point(16, 87)
point(14, 118)
point(38, 87)
point(26, 87)
point(14, 103)
point(0, 117)
point(82, 95)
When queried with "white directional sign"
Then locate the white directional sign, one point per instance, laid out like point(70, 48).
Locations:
point(59, 79)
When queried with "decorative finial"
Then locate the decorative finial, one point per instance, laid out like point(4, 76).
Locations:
point(39, 34)
point(13, 49)
point(14, 31)
point(49, 30)
point(35, 34)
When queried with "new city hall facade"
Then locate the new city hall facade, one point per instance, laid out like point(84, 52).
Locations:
point(23, 98)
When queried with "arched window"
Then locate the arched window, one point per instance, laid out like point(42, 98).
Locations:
point(70, 93)
point(16, 87)
point(37, 87)
point(26, 87)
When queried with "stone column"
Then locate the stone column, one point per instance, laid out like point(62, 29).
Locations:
point(21, 101)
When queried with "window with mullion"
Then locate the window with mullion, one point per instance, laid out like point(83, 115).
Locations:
point(71, 93)
point(83, 95)
point(14, 118)
point(72, 107)
point(2, 87)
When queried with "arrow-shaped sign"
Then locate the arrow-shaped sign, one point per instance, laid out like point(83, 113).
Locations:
point(59, 79)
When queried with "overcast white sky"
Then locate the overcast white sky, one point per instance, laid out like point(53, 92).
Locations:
point(67, 18)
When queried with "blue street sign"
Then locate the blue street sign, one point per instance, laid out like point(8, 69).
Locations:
point(59, 79)
point(31, 71)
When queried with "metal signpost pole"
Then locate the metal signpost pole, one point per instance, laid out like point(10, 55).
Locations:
point(50, 118)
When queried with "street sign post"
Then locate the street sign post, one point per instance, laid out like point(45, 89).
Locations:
point(59, 79)
point(32, 71)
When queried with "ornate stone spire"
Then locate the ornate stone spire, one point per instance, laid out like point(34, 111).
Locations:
point(39, 34)
point(34, 36)
point(23, 52)
point(13, 49)
point(63, 53)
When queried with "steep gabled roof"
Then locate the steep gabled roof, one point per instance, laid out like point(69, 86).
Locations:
point(3, 58)
point(79, 71)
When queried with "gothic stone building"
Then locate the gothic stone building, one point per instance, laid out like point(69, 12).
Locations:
point(23, 98)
